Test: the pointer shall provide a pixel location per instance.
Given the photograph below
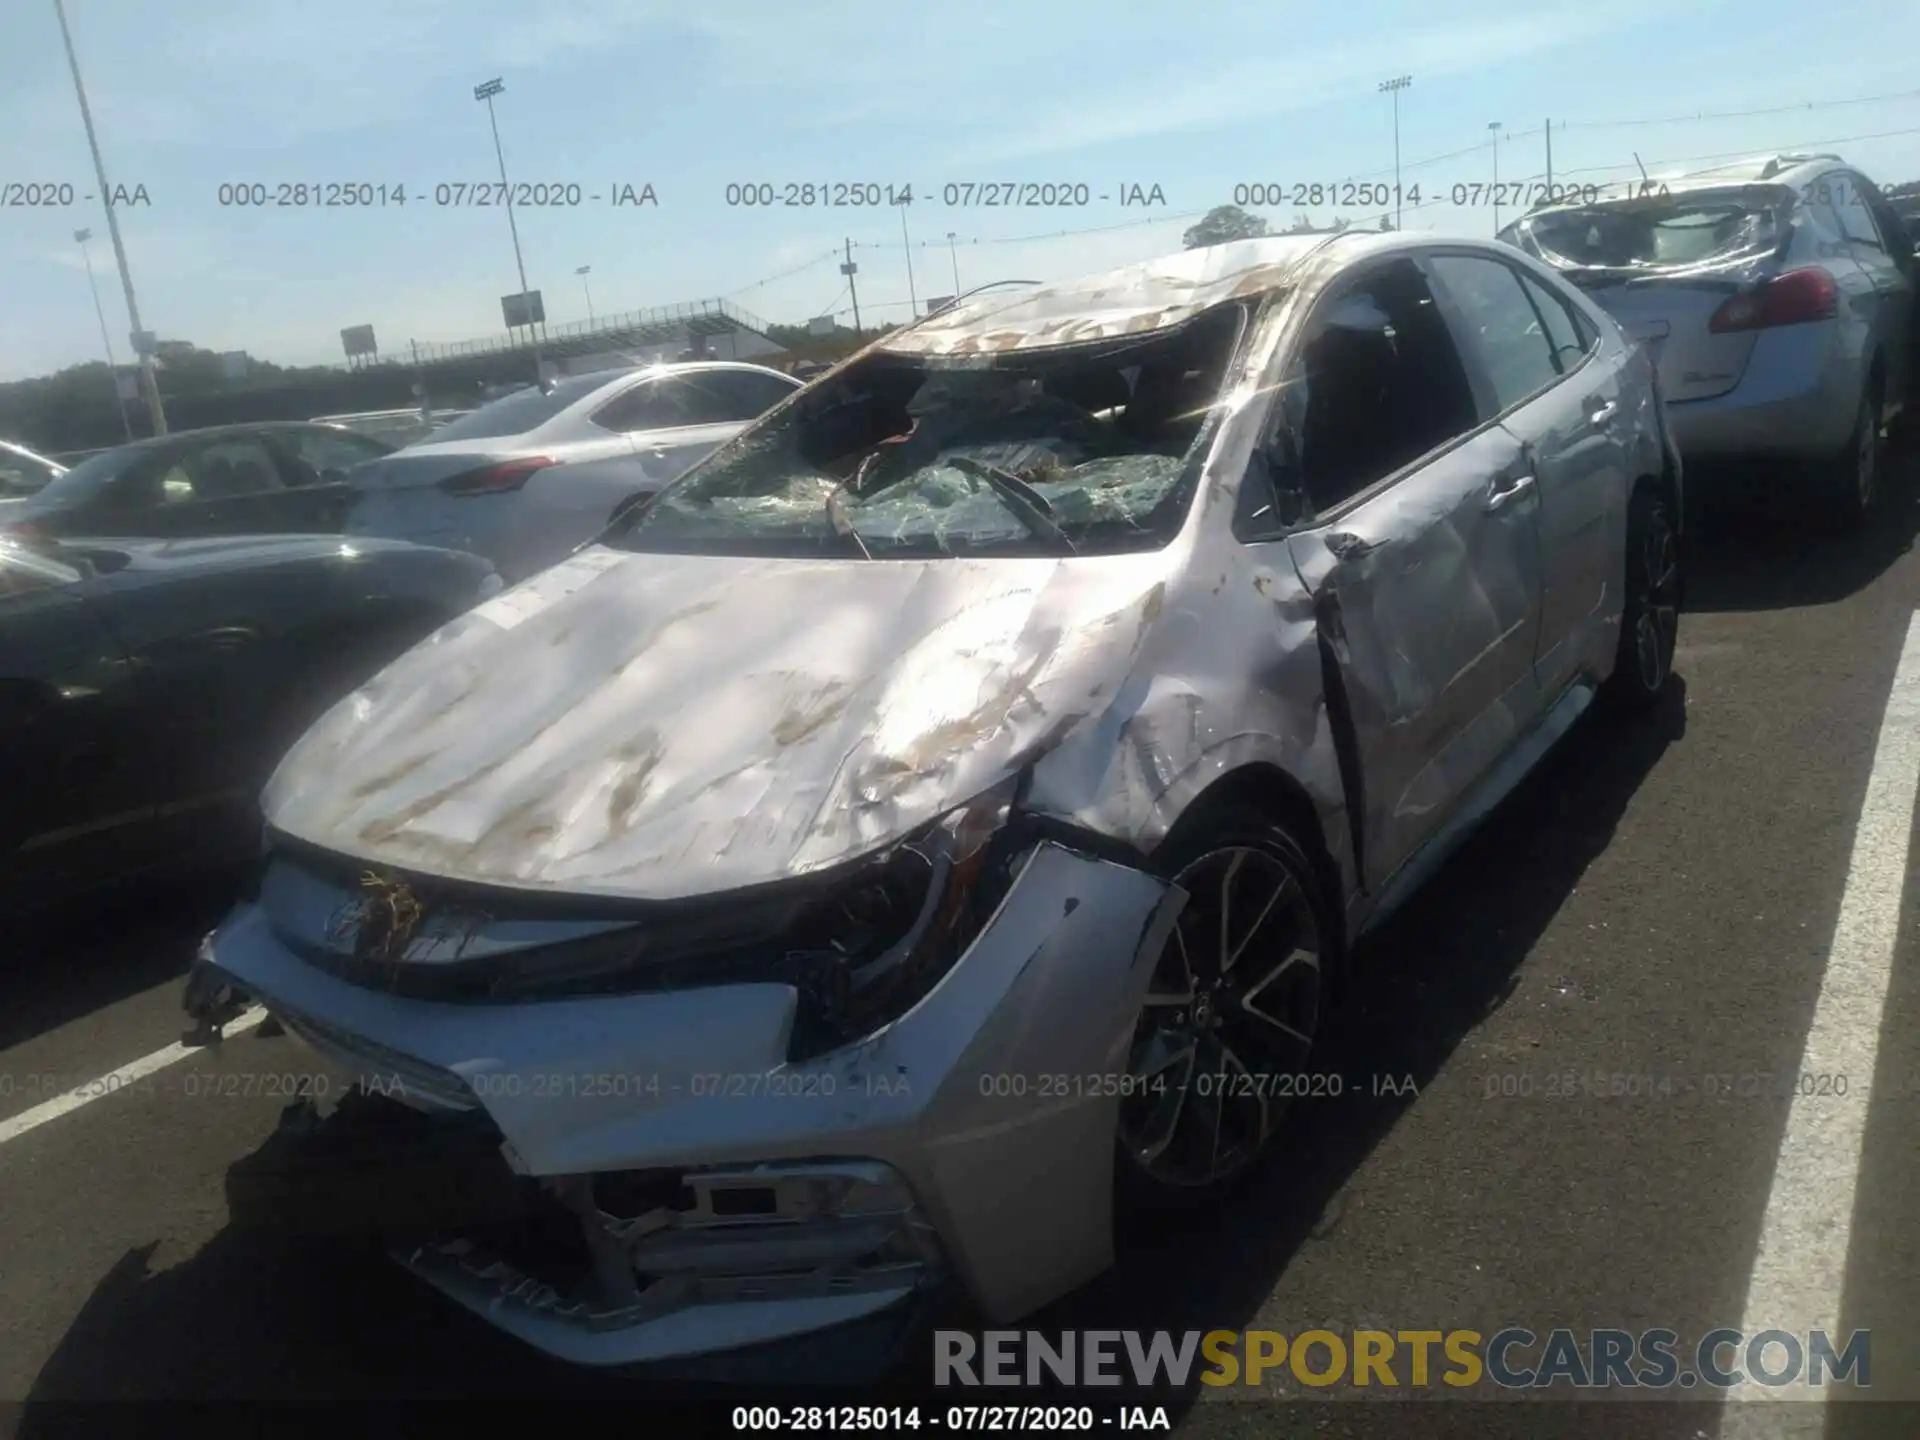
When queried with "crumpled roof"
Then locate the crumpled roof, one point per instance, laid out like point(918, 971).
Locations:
point(1150, 295)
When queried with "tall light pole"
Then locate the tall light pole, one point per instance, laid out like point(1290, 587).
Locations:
point(485, 92)
point(1393, 87)
point(954, 255)
point(582, 272)
point(1493, 129)
point(106, 339)
point(149, 383)
point(906, 244)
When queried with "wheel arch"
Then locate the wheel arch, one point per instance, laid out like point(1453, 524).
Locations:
point(1269, 788)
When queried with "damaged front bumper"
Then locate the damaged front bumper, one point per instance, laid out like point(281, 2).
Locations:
point(647, 1177)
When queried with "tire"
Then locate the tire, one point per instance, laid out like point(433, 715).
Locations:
point(1220, 1067)
point(1852, 479)
point(1650, 619)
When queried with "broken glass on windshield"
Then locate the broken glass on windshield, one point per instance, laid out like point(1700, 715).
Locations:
point(1077, 449)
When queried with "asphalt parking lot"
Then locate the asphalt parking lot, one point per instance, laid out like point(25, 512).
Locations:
point(1659, 901)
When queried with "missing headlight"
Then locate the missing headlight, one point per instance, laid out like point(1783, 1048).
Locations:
point(867, 954)
point(860, 948)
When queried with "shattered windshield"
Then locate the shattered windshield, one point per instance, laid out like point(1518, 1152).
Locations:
point(1082, 449)
point(1672, 232)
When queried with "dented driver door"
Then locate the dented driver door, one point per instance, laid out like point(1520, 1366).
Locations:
point(1428, 594)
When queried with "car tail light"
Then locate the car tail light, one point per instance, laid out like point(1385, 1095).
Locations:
point(27, 530)
point(1790, 299)
point(495, 479)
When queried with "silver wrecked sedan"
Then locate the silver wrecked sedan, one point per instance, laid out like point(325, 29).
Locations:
point(937, 816)
point(1777, 299)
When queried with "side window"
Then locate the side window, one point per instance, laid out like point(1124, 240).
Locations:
point(1892, 229)
point(242, 466)
point(1501, 325)
point(322, 450)
point(1850, 203)
point(736, 395)
point(155, 479)
point(1377, 384)
point(639, 409)
point(1830, 235)
point(171, 486)
point(1570, 340)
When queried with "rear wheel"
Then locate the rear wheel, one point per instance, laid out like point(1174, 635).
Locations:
point(1650, 621)
point(1231, 1013)
point(1853, 477)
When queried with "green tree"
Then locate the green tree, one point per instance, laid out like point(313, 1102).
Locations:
point(1223, 224)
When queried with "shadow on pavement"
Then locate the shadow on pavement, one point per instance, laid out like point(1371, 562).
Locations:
point(1764, 552)
point(1441, 966)
point(249, 1318)
point(61, 969)
point(252, 1317)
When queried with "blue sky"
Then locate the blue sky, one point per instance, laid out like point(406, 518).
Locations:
point(1195, 98)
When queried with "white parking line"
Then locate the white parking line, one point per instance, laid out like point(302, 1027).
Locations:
point(114, 1080)
point(1801, 1265)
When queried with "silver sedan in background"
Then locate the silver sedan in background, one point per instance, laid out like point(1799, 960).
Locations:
point(526, 479)
point(938, 818)
point(1777, 297)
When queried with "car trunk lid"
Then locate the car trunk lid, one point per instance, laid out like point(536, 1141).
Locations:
point(1663, 266)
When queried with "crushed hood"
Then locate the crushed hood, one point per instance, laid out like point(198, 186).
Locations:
point(656, 726)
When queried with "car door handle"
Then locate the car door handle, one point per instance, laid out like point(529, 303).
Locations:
point(1603, 412)
point(1348, 546)
point(1504, 491)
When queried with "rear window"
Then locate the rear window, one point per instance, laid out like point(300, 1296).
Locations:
point(92, 475)
point(521, 411)
point(1672, 232)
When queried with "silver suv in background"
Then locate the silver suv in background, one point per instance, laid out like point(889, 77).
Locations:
point(1777, 298)
point(530, 476)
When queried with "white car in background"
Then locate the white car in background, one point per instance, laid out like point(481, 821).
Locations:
point(396, 427)
point(527, 479)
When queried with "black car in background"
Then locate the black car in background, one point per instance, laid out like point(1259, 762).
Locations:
point(270, 478)
point(147, 688)
point(24, 473)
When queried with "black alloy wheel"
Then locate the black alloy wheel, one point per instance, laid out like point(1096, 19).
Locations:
point(1650, 623)
point(1230, 1015)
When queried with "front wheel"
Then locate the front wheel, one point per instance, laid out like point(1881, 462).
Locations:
point(1650, 620)
point(1228, 1023)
